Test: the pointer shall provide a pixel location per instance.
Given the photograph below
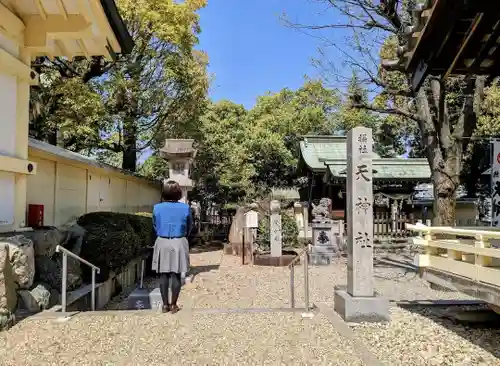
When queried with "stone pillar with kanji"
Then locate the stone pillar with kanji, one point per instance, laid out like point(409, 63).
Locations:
point(358, 302)
point(275, 229)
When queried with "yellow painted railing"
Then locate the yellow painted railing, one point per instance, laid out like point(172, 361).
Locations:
point(463, 252)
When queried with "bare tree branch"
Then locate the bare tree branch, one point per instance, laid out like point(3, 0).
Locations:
point(394, 111)
point(370, 16)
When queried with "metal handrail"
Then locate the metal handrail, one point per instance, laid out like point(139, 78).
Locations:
point(73, 255)
point(297, 258)
point(65, 252)
point(291, 266)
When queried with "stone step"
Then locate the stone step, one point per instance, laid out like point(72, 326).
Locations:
point(324, 249)
point(322, 259)
point(83, 293)
point(143, 298)
point(81, 297)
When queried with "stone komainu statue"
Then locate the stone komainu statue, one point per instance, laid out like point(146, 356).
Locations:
point(196, 214)
point(322, 210)
point(196, 210)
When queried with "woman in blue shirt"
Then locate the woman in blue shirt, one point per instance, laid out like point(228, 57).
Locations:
point(172, 223)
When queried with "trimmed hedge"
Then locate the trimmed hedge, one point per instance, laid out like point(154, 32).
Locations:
point(113, 239)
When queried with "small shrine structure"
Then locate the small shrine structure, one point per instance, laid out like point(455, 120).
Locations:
point(323, 159)
point(180, 155)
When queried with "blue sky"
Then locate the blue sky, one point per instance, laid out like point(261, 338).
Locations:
point(252, 52)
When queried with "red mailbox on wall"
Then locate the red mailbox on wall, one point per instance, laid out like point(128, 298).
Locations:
point(35, 215)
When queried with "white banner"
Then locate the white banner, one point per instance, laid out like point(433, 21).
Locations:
point(495, 185)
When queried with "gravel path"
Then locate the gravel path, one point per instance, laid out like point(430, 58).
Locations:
point(424, 338)
point(420, 336)
point(416, 336)
point(222, 282)
point(191, 339)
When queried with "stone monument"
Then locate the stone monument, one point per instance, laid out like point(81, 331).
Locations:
point(301, 213)
point(275, 230)
point(324, 244)
point(180, 155)
point(360, 303)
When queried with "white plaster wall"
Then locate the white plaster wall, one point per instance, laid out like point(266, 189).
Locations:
point(68, 191)
point(8, 109)
point(41, 188)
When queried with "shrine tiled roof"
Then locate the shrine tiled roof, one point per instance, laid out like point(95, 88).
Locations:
point(394, 168)
point(328, 154)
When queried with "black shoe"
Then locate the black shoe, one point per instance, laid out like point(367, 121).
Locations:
point(165, 309)
point(174, 308)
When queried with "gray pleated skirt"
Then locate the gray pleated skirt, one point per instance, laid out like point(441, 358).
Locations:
point(171, 255)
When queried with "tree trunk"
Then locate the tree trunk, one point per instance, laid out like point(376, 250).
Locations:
point(129, 146)
point(443, 150)
point(446, 182)
point(52, 137)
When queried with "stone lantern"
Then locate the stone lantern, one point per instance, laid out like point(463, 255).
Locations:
point(180, 155)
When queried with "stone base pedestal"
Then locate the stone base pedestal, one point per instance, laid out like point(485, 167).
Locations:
point(361, 309)
point(235, 249)
point(283, 260)
point(320, 255)
point(326, 239)
point(143, 298)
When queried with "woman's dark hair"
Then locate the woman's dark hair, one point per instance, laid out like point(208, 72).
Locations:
point(171, 191)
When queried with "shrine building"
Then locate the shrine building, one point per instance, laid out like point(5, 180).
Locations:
point(323, 159)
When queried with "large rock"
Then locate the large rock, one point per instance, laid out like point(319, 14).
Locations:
point(71, 237)
point(237, 226)
point(45, 240)
point(22, 259)
point(28, 301)
point(48, 270)
point(38, 298)
point(55, 298)
point(47, 265)
point(41, 294)
point(7, 321)
point(8, 298)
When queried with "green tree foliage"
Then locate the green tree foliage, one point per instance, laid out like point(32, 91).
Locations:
point(477, 156)
point(154, 167)
point(242, 154)
point(290, 231)
point(130, 104)
point(63, 104)
point(388, 142)
point(221, 171)
point(275, 125)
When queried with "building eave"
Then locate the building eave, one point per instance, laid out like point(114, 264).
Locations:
point(118, 26)
point(73, 156)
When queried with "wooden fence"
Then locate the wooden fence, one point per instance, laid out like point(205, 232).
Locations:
point(216, 224)
point(387, 227)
